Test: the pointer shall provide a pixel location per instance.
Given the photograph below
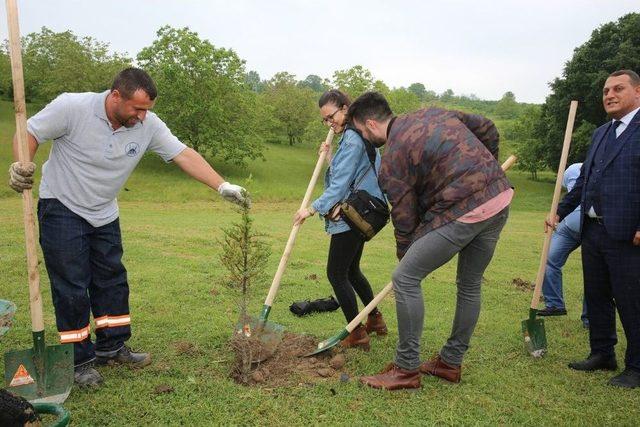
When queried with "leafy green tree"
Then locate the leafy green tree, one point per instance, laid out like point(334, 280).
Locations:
point(612, 46)
point(402, 101)
point(447, 96)
point(581, 138)
point(422, 93)
point(529, 148)
point(418, 90)
point(354, 82)
point(316, 132)
point(293, 106)
point(529, 157)
point(315, 83)
point(380, 86)
point(430, 97)
point(6, 85)
point(507, 107)
point(63, 62)
point(252, 79)
point(202, 95)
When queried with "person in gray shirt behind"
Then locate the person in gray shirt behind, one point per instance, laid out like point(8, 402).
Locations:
point(98, 139)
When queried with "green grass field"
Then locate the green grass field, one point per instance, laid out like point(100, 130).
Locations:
point(170, 229)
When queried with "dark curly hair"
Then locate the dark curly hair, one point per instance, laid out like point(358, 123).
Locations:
point(334, 96)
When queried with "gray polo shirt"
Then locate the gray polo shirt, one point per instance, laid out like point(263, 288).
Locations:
point(89, 161)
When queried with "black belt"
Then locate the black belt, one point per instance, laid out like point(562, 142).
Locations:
point(598, 220)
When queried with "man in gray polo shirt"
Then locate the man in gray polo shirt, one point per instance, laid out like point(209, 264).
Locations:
point(98, 139)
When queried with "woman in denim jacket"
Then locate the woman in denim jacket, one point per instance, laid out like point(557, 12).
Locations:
point(349, 165)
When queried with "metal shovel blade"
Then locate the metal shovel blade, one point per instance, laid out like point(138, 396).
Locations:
point(42, 374)
point(268, 333)
point(329, 343)
point(535, 337)
point(335, 340)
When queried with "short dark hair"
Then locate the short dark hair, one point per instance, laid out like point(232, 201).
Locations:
point(633, 76)
point(371, 105)
point(334, 96)
point(131, 79)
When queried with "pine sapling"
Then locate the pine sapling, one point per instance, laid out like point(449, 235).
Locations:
point(244, 255)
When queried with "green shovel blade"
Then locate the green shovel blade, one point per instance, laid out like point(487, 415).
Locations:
point(41, 374)
point(535, 337)
point(268, 333)
point(329, 343)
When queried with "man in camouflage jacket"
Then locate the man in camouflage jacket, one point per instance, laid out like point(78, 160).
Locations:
point(449, 196)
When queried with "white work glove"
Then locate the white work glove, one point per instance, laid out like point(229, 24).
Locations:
point(21, 175)
point(234, 193)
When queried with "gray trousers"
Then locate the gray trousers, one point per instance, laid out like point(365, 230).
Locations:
point(474, 244)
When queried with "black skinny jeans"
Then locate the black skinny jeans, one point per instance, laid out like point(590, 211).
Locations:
point(343, 272)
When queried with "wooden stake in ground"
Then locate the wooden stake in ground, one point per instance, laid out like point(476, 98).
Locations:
point(535, 338)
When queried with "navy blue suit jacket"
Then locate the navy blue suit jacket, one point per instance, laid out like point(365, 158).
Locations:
point(620, 187)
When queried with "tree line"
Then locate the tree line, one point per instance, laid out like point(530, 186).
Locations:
point(208, 98)
point(539, 131)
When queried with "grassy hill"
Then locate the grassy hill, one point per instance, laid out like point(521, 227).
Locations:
point(171, 226)
point(282, 176)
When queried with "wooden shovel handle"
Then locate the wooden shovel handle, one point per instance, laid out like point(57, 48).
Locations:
point(554, 203)
point(275, 284)
point(369, 308)
point(511, 160)
point(35, 300)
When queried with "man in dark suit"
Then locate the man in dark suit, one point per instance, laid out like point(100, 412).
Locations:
point(608, 190)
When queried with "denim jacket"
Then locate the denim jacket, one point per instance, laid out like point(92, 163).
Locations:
point(350, 163)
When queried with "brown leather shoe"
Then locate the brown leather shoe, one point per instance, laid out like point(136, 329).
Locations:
point(439, 368)
point(393, 378)
point(358, 338)
point(375, 323)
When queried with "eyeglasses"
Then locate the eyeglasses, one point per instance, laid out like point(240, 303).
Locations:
point(329, 119)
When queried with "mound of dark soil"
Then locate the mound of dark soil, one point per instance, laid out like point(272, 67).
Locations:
point(284, 365)
point(15, 410)
point(522, 284)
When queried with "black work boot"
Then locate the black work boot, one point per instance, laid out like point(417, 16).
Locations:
point(552, 311)
point(596, 362)
point(86, 375)
point(629, 378)
point(125, 356)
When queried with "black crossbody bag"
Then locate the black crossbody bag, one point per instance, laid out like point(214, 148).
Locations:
point(364, 213)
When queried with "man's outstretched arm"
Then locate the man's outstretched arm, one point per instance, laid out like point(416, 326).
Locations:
point(197, 167)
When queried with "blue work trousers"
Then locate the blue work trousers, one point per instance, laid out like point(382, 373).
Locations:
point(84, 264)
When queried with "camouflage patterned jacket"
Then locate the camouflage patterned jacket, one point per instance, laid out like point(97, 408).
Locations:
point(438, 165)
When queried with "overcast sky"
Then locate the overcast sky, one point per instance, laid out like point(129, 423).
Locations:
point(484, 48)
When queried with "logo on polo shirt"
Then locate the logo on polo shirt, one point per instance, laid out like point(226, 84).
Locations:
point(132, 149)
